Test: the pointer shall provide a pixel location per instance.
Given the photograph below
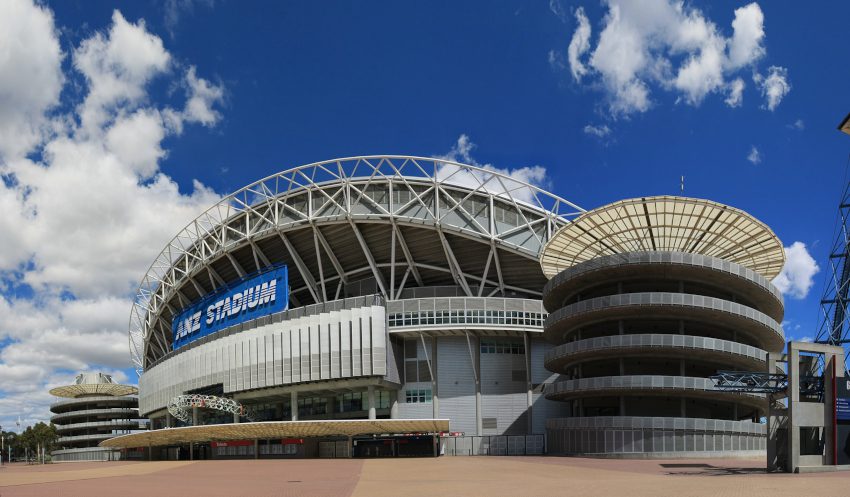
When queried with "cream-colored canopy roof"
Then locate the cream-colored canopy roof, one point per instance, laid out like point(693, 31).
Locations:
point(110, 389)
point(666, 223)
point(276, 429)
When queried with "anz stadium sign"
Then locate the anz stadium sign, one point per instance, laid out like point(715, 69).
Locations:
point(251, 297)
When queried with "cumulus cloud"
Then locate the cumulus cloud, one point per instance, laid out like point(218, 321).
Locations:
point(754, 156)
point(461, 152)
point(598, 131)
point(30, 77)
point(669, 46)
point(797, 277)
point(774, 87)
point(85, 216)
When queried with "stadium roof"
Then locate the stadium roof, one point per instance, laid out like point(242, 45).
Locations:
point(666, 223)
point(276, 429)
point(404, 222)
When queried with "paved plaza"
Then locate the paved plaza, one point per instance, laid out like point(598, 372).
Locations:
point(456, 476)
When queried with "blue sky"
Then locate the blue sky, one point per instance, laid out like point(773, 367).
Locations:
point(224, 93)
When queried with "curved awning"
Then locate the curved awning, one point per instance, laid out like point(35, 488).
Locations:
point(276, 429)
point(108, 389)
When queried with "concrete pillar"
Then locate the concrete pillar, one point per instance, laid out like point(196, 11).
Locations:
point(371, 401)
point(529, 385)
point(331, 406)
point(479, 421)
point(394, 405)
point(435, 398)
point(293, 405)
point(194, 416)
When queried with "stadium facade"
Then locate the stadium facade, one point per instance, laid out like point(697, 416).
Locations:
point(369, 299)
point(92, 410)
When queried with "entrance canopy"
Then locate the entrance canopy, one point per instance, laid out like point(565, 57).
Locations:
point(276, 429)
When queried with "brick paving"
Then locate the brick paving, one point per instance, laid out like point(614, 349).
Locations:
point(455, 476)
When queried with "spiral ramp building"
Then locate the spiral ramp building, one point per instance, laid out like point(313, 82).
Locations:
point(647, 298)
point(92, 410)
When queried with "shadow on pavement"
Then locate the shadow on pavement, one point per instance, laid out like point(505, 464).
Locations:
point(710, 470)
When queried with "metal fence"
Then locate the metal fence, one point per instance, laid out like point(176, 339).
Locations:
point(495, 445)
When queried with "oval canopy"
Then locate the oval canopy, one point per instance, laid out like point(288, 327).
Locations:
point(669, 224)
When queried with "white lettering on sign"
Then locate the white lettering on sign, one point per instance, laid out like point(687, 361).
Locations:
point(190, 324)
point(240, 302)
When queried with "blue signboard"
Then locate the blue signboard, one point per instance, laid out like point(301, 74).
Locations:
point(842, 408)
point(254, 296)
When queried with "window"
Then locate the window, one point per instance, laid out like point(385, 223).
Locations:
point(472, 316)
point(418, 396)
point(501, 347)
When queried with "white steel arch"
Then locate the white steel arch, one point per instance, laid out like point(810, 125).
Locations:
point(422, 192)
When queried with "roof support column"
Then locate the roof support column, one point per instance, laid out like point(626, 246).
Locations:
point(529, 394)
point(476, 374)
point(371, 401)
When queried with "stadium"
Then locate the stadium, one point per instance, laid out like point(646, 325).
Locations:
point(389, 306)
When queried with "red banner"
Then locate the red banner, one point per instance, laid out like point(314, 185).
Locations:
point(231, 443)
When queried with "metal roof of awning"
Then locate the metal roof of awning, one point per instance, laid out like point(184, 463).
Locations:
point(276, 429)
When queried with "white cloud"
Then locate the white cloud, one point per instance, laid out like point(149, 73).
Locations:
point(666, 45)
point(30, 75)
point(746, 47)
point(556, 8)
point(203, 96)
point(579, 45)
point(736, 93)
point(555, 61)
point(598, 131)
point(117, 66)
point(797, 277)
point(774, 87)
point(83, 220)
point(754, 156)
point(461, 152)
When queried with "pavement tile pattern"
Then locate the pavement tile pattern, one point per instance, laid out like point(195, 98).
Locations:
point(449, 476)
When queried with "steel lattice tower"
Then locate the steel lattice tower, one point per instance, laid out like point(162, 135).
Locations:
point(833, 319)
